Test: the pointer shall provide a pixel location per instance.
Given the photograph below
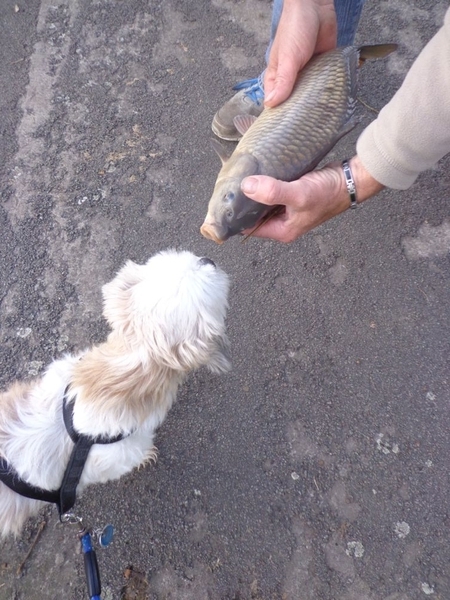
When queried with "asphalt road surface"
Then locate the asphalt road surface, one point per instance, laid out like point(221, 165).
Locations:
point(318, 469)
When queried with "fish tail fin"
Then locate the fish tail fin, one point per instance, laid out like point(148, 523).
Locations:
point(376, 51)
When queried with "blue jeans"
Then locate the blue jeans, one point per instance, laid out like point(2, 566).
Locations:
point(348, 13)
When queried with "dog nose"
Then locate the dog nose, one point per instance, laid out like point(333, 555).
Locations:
point(206, 261)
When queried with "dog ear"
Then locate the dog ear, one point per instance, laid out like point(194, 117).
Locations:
point(117, 296)
point(189, 355)
point(220, 360)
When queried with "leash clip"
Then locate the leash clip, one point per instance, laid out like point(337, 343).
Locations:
point(104, 536)
point(71, 518)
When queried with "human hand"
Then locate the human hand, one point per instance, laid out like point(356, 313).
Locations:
point(306, 27)
point(310, 200)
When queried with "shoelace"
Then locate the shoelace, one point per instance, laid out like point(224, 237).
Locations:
point(253, 88)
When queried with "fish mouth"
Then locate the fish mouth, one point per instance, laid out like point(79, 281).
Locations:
point(221, 232)
point(213, 232)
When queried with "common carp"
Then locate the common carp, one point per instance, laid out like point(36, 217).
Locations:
point(289, 140)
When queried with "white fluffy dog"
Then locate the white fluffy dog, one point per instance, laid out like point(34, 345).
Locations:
point(167, 318)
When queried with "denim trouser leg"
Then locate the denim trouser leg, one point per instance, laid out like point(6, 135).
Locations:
point(348, 13)
point(276, 14)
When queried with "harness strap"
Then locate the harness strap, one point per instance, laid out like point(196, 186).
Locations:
point(75, 436)
point(65, 496)
point(72, 474)
point(12, 480)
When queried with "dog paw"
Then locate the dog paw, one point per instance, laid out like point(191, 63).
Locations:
point(151, 456)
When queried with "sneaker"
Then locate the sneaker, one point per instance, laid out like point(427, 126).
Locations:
point(249, 100)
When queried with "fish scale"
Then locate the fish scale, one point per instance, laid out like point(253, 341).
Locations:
point(321, 95)
point(289, 140)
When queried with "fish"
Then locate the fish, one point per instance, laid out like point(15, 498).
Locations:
point(288, 140)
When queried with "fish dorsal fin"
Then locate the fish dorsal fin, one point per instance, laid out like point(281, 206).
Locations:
point(376, 51)
point(244, 122)
point(223, 152)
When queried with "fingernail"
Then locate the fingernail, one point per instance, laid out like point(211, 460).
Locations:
point(269, 97)
point(249, 185)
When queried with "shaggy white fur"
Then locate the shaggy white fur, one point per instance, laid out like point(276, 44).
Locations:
point(167, 319)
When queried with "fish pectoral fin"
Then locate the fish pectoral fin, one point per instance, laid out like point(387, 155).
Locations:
point(244, 122)
point(221, 150)
point(349, 125)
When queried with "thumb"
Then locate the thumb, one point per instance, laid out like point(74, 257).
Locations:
point(279, 90)
point(264, 189)
point(280, 77)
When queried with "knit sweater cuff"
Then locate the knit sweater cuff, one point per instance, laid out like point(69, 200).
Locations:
point(381, 166)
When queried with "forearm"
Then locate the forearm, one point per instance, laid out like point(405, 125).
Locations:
point(366, 185)
point(412, 132)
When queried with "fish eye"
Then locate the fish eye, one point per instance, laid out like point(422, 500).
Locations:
point(229, 196)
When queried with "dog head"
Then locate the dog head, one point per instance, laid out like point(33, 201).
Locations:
point(172, 310)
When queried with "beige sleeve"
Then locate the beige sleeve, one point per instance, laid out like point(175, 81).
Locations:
point(412, 132)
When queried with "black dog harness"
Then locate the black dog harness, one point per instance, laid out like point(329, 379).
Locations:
point(65, 496)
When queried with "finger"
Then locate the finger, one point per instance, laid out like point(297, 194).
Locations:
point(287, 57)
point(269, 79)
point(271, 69)
point(281, 77)
point(266, 190)
point(280, 89)
point(274, 229)
point(327, 36)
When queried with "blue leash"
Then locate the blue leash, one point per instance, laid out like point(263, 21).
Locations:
point(91, 567)
point(103, 537)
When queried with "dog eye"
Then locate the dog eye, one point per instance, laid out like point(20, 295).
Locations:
point(229, 197)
